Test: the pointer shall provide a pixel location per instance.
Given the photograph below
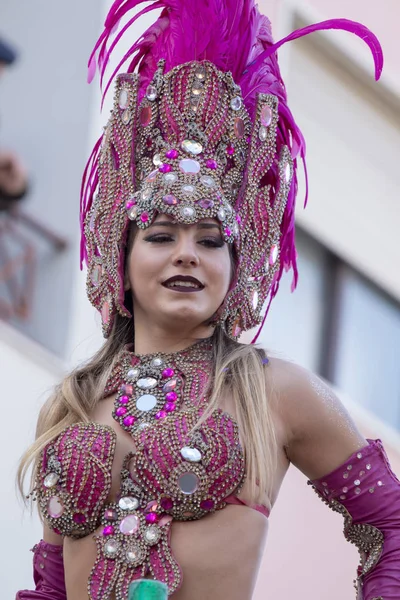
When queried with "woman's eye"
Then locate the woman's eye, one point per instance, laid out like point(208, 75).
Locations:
point(160, 238)
point(212, 242)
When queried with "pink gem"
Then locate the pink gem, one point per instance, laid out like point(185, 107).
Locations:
point(79, 518)
point(171, 397)
point(166, 503)
point(152, 518)
point(161, 415)
point(57, 531)
point(188, 165)
point(230, 150)
point(205, 203)
point(105, 312)
point(127, 388)
point(239, 127)
point(211, 164)
point(55, 507)
point(145, 116)
point(169, 386)
point(170, 200)
point(165, 168)
point(228, 232)
point(129, 525)
point(273, 254)
point(207, 504)
point(144, 217)
point(172, 153)
point(121, 410)
point(129, 204)
point(110, 514)
point(168, 373)
point(266, 116)
point(124, 400)
point(170, 407)
point(108, 530)
point(238, 219)
point(129, 420)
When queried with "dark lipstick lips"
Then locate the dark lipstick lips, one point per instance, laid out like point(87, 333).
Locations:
point(183, 278)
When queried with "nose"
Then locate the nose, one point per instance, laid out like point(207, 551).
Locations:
point(186, 253)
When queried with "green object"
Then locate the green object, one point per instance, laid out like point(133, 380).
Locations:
point(148, 589)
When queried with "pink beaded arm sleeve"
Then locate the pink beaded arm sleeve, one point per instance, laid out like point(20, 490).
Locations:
point(48, 574)
point(367, 493)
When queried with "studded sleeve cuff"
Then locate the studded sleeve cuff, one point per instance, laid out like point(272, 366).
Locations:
point(48, 574)
point(366, 492)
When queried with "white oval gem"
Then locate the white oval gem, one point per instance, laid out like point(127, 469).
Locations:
point(192, 147)
point(255, 300)
point(152, 535)
point(128, 503)
point(151, 93)
point(221, 214)
point(157, 362)
point(236, 103)
point(133, 213)
point(157, 160)
point(188, 165)
point(263, 133)
point(146, 402)
point(50, 480)
point(111, 548)
point(170, 178)
point(187, 212)
point(188, 483)
point(133, 373)
point(129, 525)
point(188, 189)
point(123, 98)
point(287, 172)
point(55, 507)
point(191, 454)
point(147, 383)
point(273, 254)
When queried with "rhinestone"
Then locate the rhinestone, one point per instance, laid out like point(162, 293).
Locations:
point(368, 467)
point(134, 555)
point(221, 214)
point(205, 203)
point(273, 254)
point(345, 490)
point(239, 128)
point(359, 455)
point(146, 193)
point(96, 274)
point(128, 503)
point(207, 180)
point(123, 98)
point(371, 490)
point(207, 504)
point(192, 147)
point(133, 373)
point(197, 88)
point(56, 507)
point(266, 116)
point(188, 483)
point(357, 491)
point(287, 172)
point(152, 535)
point(151, 177)
point(50, 480)
point(187, 212)
point(105, 312)
point(362, 473)
point(157, 161)
point(111, 548)
point(157, 363)
point(236, 103)
point(349, 467)
point(188, 165)
point(169, 386)
point(133, 213)
point(147, 383)
point(379, 483)
point(151, 93)
point(201, 73)
point(255, 300)
point(110, 514)
point(146, 402)
point(126, 117)
point(357, 482)
point(188, 189)
point(170, 178)
point(191, 454)
point(129, 525)
point(145, 116)
point(143, 426)
point(228, 209)
point(170, 199)
point(345, 475)
point(263, 133)
point(235, 229)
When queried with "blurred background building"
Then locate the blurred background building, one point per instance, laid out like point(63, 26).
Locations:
point(344, 320)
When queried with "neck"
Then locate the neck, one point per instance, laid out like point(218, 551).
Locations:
point(152, 339)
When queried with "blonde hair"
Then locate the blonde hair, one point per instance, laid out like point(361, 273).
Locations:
point(238, 370)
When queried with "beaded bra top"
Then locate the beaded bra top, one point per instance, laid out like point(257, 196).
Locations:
point(176, 471)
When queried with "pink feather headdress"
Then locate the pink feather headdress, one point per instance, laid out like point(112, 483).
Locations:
point(198, 54)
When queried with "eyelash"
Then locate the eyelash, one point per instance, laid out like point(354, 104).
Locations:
point(207, 242)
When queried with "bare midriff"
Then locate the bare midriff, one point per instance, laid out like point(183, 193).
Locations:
point(219, 555)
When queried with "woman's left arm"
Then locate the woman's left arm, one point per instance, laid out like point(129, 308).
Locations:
point(352, 475)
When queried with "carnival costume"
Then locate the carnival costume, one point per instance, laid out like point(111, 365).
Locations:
point(201, 130)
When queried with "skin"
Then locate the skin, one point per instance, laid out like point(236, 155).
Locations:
point(221, 553)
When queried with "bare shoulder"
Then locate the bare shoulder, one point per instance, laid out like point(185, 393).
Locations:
point(320, 434)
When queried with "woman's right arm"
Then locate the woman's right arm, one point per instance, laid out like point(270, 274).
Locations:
point(48, 569)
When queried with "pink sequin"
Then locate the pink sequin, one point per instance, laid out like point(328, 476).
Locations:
point(170, 407)
point(129, 420)
point(160, 415)
point(211, 164)
point(168, 373)
point(230, 150)
point(172, 153)
point(108, 530)
point(121, 410)
point(152, 517)
point(165, 168)
point(144, 217)
point(124, 400)
point(171, 396)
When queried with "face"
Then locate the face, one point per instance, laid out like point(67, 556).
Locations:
point(178, 274)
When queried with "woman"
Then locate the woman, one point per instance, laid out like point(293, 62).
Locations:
point(162, 457)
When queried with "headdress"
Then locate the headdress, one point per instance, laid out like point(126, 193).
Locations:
point(200, 128)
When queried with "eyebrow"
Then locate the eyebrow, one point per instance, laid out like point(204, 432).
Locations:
point(174, 224)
